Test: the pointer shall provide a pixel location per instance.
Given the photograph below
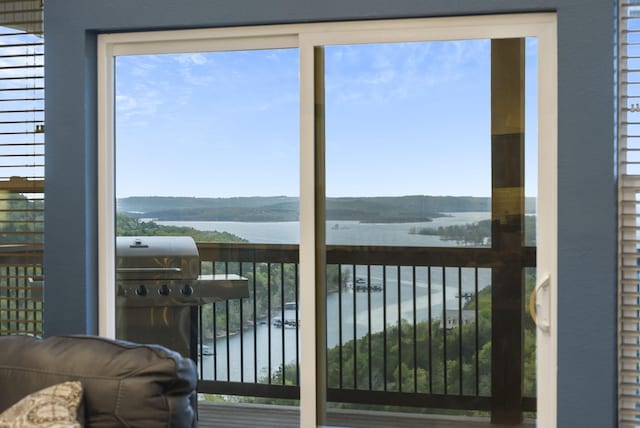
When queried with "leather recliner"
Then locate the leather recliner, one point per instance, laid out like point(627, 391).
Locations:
point(124, 384)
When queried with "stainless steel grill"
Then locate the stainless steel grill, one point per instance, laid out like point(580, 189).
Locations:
point(164, 270)
point(159, 290)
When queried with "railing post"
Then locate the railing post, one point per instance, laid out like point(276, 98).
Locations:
point(320, 240)
point(507, 214)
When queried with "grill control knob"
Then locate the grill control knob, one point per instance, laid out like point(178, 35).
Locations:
point(187, 290)
point(164, 290)
point(141, 290)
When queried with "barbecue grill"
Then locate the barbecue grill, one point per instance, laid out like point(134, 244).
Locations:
point(159, 290)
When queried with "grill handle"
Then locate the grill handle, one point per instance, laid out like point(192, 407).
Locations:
point(150, 269)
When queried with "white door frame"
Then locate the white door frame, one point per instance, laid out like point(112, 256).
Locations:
point(306, 37)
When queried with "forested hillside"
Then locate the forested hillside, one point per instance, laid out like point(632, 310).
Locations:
point(400, 209)
point(21, 219)
point(129, 226)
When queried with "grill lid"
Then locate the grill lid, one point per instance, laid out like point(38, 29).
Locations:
point(156, 257)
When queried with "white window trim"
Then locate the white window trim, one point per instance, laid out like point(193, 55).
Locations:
point(306, 37)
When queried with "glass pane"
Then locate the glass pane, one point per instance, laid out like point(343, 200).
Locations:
point(425, 144)
point(207, 147)
point(408, 143)
point(408, 164)
point(210, 141)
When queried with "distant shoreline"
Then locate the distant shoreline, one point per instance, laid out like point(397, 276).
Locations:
point(369, 210)
point(338, 232)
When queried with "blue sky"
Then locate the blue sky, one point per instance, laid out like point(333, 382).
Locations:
point(411, 118)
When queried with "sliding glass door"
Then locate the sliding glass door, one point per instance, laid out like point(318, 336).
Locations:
point(376, 184)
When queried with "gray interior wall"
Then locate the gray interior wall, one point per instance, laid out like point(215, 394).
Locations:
point(586, 206)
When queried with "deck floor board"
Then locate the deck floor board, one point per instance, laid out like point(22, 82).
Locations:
point(237, 415)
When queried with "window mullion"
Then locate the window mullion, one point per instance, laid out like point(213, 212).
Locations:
point(312, 296)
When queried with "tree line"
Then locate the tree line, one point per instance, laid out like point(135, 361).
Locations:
point(376, 209)
point(478, 233)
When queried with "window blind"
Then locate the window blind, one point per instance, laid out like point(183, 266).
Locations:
point(21, 166)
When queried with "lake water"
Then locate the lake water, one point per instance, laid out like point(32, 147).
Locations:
point(338, 232)
point(396, 302)
point(239, 354)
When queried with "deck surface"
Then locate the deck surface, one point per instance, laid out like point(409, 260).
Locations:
point(235, 415)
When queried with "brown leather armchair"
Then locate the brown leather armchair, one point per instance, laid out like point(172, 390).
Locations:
point(124, 384)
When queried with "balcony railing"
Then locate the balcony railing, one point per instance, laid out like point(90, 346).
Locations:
point(421, 319)
point(20, 295)
point(406, 326)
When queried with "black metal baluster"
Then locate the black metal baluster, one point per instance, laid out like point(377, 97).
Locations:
point(269, 324)
point(215, 332)
point(200, 334)
point(429, 325)
point(226, 306)
point(477, 334)
point(7, 278)
point(14, 295)
point(369, 331)
point(460, 328)
point(282, 307)
point(340, 383)
point(444, 327)
point(355, 347)
point(255, 324)
point(19, 301)
point(384, 325)
point(241, 331)
point(11, 303)
point(5, 298)
point(415, 332)
point(297, 300)
point(215, 342)
point(16, 306)
point(399, 296)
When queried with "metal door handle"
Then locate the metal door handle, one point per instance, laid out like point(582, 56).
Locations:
point(533, 306)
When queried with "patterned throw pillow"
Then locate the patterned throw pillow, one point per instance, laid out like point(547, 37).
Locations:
point(52, 407)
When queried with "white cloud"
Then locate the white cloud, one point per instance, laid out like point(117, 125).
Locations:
point(263, 107)
point(125, 103)
point(195, 79)
point(138, 106)
point(194, 58)
point(143, 69)
point(381, 73)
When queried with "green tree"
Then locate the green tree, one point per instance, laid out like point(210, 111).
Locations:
point(129, 226)
point(21, 219)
